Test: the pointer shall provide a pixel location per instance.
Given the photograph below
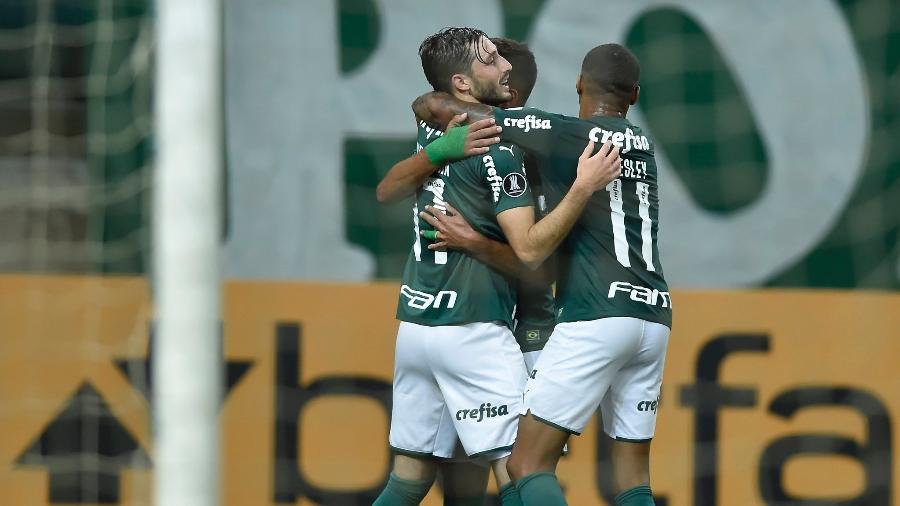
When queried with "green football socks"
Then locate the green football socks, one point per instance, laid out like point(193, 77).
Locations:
point(541, 489)
point(637, 496)
point(509, 495)
point(400, 492)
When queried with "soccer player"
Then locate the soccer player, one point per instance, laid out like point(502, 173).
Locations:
point(454, 349)
point(535, 310)
point(614, 310)
point(535, 314)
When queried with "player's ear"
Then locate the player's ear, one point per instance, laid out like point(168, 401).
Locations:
point(635, 93)
point(579, 87)
point(460, 82)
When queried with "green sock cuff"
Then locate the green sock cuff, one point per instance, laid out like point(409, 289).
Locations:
point(541, 489)
point(450, 146)
point(400, 492)
point(509, 495)
point(417, 484)
point(634, 493)
point(533, 476)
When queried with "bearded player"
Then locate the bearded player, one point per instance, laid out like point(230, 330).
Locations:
point(464, 481)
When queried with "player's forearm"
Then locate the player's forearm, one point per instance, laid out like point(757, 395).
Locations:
point(500, 256)
point(437, 108)
point(404, 177)
point(546, 235)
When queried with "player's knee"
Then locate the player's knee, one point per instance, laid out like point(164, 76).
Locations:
point(521, 464)
point(633, 478)
point(516, 467)
point(632, 465)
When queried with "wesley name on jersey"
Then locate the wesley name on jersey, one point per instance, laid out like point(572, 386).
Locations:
point(609, 262)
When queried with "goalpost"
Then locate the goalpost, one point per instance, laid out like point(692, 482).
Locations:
point(186, 266)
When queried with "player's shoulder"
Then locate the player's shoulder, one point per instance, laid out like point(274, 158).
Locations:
point(425, 133)
point(531, 119)
point(506, 152)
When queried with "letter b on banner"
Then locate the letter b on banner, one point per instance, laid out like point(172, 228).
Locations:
point(290, 399)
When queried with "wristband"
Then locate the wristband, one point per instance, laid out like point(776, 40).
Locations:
point(450, 146)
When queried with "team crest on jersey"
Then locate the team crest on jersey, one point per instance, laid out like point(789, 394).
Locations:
point(514, 184)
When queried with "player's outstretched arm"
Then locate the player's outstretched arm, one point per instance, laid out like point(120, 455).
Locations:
point(458, 142)
point(534, 242)
point(438, 108)
point(452, 231)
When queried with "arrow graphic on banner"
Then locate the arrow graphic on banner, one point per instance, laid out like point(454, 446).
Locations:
point(139, 372)
point(85, 449)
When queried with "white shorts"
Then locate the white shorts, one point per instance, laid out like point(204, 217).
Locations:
point(613, 363)
point(531, 359)
point(468, 376)
point(448, 445)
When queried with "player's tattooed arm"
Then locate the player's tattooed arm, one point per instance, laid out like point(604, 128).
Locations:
point(454, 232)
point(407, 175)
point(534, 242)
point(437, 108)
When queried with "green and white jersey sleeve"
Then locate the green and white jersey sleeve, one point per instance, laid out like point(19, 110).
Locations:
point(451, 287)
point(504, 169)
point(609, 265)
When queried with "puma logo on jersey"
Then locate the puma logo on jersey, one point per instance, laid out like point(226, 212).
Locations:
point(507, 148)
point(493, 179)
point(528, 123)
point(484, 411)
point(639, 293)
point(625, 141)
point(423, 300)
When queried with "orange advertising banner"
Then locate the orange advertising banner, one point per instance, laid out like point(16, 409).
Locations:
point(770, 397)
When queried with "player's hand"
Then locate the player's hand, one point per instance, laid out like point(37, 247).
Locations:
point(453, 231)
point(460, 142)
point(480, 136)
point(597, 171)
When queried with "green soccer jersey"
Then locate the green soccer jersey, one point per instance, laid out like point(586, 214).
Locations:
point(609, 264)
point(535, 316)
point(535, 309)
point(451, 287)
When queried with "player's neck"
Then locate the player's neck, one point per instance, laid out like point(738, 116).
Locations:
point(590, 107)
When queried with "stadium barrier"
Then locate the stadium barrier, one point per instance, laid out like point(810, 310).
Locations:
point(766, 392)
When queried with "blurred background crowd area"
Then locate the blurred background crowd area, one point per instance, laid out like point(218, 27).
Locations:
point(779, 160)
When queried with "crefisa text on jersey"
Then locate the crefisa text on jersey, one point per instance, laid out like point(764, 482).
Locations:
point(528, 123)
point(625, 141)
point(492, 178)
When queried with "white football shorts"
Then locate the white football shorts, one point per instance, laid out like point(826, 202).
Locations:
point(470, 376)
point(614, 363)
